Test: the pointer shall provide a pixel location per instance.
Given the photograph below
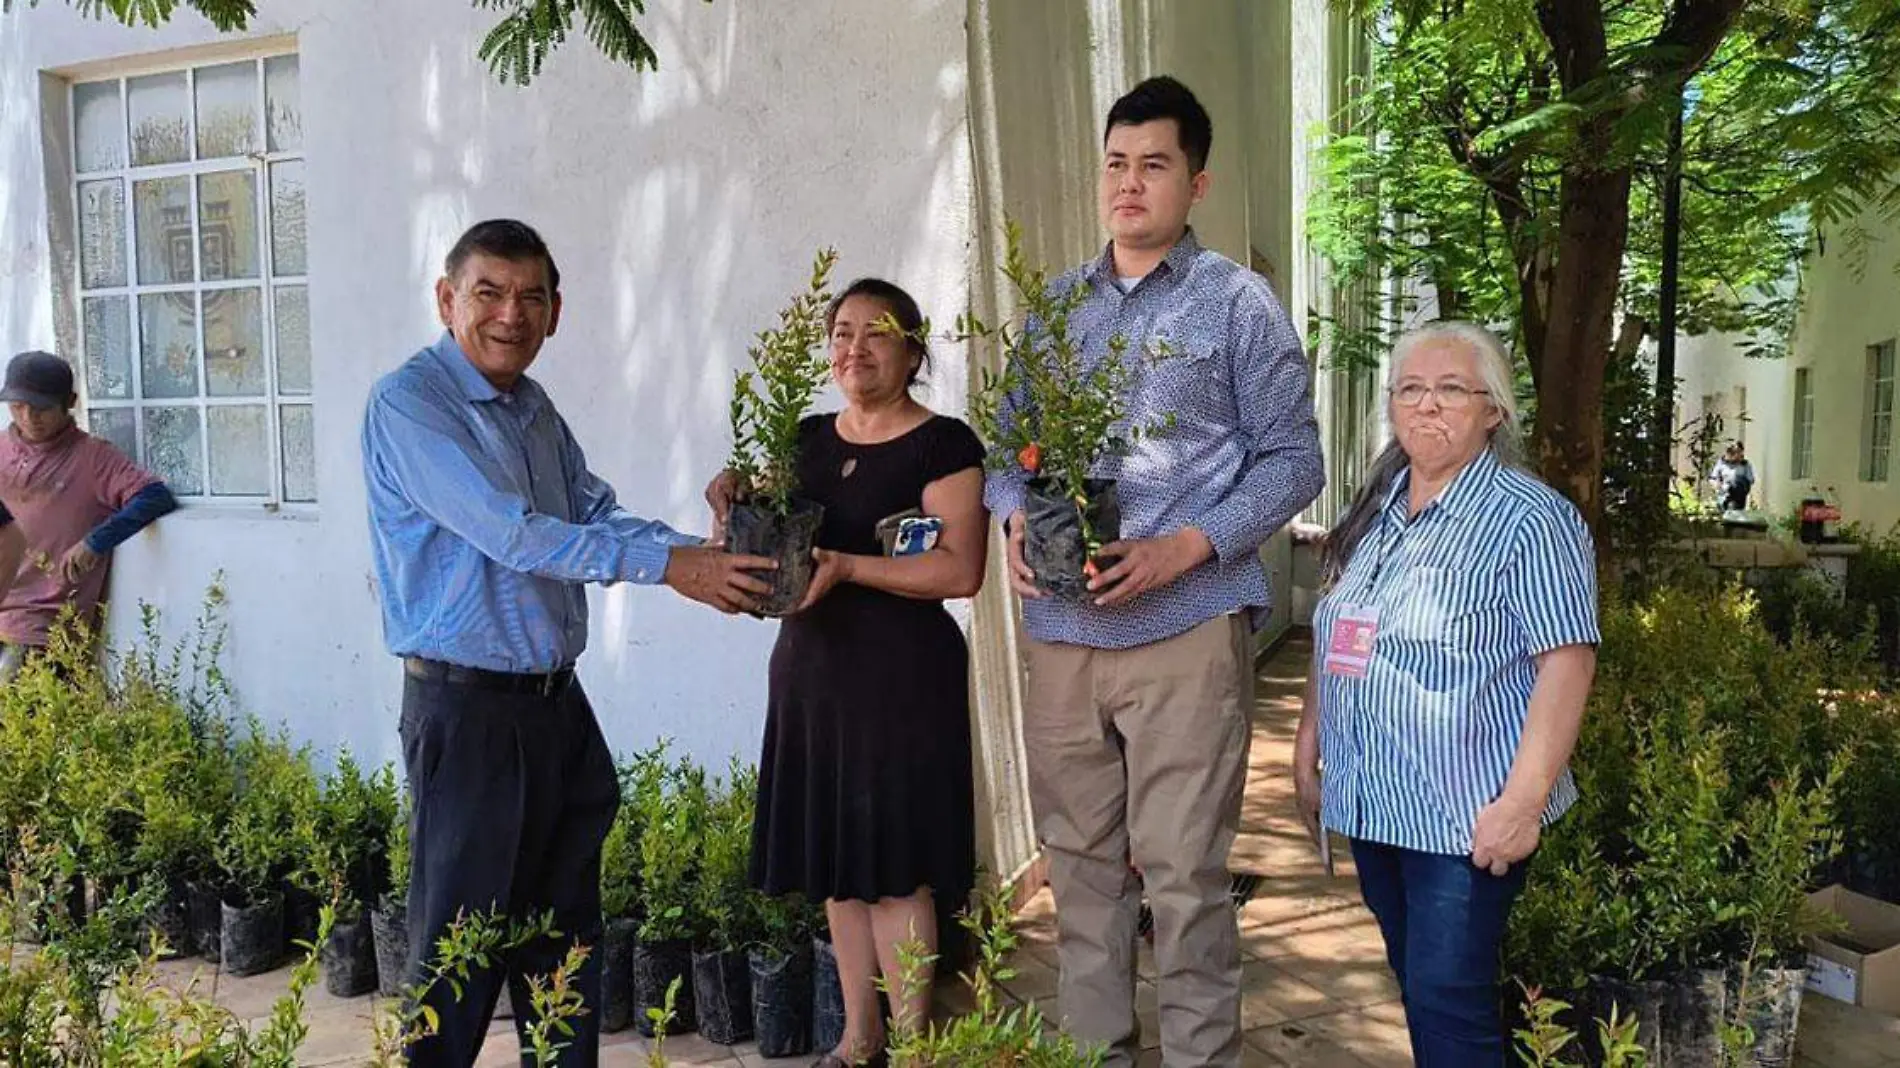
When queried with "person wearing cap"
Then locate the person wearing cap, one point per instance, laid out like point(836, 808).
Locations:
point(67, 499)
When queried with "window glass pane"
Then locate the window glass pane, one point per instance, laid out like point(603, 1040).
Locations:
point(108, 348)
point(116, 425)
point(99, 127)
point(161, 119)
point(240, 451)
point(161, 212)
point(168, 345)
point(174, 449)
point(286, 217)
point(283, 103)
point(102, 233)
point(227, 110)
point(300, 452)
point(292, 313)
point(234, 343)
point(227, 225)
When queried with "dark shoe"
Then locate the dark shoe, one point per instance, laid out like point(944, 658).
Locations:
point(880, 1059)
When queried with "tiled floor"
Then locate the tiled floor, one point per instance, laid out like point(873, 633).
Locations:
point(1317, 993)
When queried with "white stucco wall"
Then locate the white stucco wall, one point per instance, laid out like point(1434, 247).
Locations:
point(1849, 301)
point(683, 207)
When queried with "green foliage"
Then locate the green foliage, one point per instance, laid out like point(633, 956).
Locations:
point(1542, 1042)
point(514, 49)
point(258, 847)
point(789, 366)
point(345, 837)
point(672, 819)
point(997, 1031)
point(619, 867)
point(1713, 763)
point(399, 848)
point(1051, 413)
point(725, 856)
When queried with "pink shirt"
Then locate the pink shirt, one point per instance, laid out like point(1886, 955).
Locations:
point(58, 491)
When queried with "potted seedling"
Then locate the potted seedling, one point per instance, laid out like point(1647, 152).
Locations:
point(671, 820)
point(781, 965)
point(1055, 417)
point(768, 517)
point(346, 845)
point(389, 920)
point(257, 850)
point(722, 986)
point(619, 885)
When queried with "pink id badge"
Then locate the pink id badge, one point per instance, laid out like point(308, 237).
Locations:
point(1349, 647)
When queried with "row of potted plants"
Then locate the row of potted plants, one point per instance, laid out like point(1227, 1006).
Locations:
point(1724, 776)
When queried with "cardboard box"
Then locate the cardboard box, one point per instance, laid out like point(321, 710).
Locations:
point(1860, 965)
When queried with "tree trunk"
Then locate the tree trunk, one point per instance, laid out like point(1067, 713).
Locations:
point(1592, 232)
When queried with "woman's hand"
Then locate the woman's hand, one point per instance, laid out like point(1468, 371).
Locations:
point(1507, 831)
point(1306, 785)
point(832, 568)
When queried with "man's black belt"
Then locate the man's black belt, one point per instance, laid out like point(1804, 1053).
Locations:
point(551, 684)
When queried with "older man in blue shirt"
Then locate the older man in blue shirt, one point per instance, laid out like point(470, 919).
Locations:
point(1136, 715)
point(485, 523)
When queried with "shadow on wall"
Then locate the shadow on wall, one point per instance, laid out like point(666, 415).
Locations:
point(25, 311)
point(684, 208)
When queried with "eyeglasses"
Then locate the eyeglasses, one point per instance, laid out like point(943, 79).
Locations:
point(1451, 395)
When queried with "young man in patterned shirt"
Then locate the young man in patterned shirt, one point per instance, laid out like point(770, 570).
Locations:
point(1136, 717)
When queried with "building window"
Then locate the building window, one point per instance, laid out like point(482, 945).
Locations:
point(194, 318)
point(1876, 432)
point(1802, 461)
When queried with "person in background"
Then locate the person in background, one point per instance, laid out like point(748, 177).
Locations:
point(1456, 647)
point(67, 499)
point(1734, 478)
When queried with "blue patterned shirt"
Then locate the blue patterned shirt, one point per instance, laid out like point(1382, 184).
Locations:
point(1241, 459)
point(1494, 572)
point(485, 521)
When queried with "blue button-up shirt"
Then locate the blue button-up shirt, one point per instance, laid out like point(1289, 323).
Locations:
point(1240, 460)
point(1494, 572)
point(485, 521)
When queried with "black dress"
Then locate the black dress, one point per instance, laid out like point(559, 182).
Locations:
point(865, 780)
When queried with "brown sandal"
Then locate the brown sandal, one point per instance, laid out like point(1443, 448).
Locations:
point(880, 1059)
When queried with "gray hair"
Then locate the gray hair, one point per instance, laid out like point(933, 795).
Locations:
point(1499, 382)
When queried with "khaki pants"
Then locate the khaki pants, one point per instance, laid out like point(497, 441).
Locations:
point(1141, 755)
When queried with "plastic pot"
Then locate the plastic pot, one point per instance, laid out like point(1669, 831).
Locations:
point(1692, 1021)
point(755, 531)
point(389, 928)
point(252, 936)
point(827, 997)
point(204, 908)
point(303, 916)
point(616, 975)
point(722, 994)
point(1773, 1006)
point(170, 919)
point(349, 956)
point(1053, 544)
point(655, 966)
point(782, 1002)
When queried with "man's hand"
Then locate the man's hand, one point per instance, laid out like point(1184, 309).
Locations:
point(78, 560)
point(710, 575)
point(1143, 564)
point(1506, 832)
point(832, 568)
point(719, 496)
point(1021, 578)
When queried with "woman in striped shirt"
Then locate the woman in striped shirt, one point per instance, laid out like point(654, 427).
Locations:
point(1455, 649)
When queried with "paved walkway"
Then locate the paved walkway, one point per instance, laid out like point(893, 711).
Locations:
point(1317, 991)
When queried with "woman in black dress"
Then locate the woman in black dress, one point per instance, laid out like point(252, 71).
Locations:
point(865, 792)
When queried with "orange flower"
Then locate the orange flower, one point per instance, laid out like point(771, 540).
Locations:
point(1030, 457)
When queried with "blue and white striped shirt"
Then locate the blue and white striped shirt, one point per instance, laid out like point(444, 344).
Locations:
point(1240, 459)
point(485, 521)
point(1497, 570)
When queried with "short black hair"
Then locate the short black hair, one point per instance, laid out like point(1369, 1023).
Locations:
point(1163, 97)
point(902, 306)
point(506, 239)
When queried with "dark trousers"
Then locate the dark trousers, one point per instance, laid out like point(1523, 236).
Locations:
point(513, 794)
point(1443, 921)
